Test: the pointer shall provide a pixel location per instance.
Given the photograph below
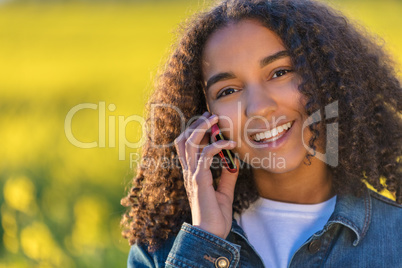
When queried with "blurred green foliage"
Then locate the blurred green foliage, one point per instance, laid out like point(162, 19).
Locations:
point(60, 204)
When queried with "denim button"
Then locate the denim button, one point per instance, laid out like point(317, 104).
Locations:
point(222, 262)
point(314, 246)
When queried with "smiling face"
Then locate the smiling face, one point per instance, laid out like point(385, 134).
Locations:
point(251, 86)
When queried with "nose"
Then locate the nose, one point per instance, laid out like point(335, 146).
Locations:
point(259, 102)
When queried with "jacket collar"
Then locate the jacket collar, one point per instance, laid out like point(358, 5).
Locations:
point(354, 213)
point(237, 229)
point(351, 211)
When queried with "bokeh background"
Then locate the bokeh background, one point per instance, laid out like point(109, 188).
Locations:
point(60, 203)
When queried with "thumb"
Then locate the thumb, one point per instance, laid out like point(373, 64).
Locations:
point(228, 180)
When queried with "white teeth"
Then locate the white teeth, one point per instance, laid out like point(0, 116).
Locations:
point(268, 134)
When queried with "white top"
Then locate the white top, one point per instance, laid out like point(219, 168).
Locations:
point(277, 230)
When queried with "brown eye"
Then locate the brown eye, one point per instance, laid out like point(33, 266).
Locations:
point(227, 91)
point(281, 72)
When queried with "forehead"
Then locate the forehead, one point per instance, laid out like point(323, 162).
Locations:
point(240, 41)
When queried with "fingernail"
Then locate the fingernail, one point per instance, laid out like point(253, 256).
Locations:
point(233, 143)
point(213, 116)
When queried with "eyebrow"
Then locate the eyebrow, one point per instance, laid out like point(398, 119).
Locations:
point(229, 75)
point(219, 77)
point(278, 55)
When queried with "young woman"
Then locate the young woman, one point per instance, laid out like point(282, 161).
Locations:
point(311, 109)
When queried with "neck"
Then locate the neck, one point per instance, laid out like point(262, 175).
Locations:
point(304, 185)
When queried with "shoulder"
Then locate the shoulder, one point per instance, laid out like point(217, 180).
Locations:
point(141, 256)
point(385, 213)
point(381, 202)
point(370, 233)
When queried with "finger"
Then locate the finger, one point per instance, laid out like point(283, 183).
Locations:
point(227, 181)
point(195, 124)
point(193, 143)
point(206, 158)
point(205, 142)
point(179, 143)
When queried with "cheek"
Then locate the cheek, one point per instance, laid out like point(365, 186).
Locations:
point(290, 91)
point(228, 120)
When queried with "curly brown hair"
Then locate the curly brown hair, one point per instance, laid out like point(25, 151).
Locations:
point(336, 61)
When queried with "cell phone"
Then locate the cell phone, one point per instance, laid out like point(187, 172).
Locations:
point(226, 156)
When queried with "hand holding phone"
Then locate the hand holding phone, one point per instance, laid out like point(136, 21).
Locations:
point(226, 156)
point(211, 208)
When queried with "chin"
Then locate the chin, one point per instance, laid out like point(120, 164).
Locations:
point(280, 164)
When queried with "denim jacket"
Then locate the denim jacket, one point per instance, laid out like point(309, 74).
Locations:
point(361, 232)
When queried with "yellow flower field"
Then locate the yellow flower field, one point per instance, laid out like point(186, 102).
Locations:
point(74, 78)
